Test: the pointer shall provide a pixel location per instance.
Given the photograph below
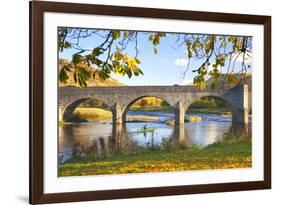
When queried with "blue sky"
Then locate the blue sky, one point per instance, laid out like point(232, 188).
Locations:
point(165, 68)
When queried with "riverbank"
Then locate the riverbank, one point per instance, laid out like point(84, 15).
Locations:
point(232, 153)
point(152, 108)
point(101, 115)
point(222, 111)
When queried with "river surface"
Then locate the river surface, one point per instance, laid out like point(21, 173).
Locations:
point(99, 139)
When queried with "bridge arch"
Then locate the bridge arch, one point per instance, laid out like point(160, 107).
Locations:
point(226, 101)
point(67, 110)
point(230, 102)
point(135, 99)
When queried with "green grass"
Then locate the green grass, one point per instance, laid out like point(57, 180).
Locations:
point(233, 153)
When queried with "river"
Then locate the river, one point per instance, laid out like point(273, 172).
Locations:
point(96, 139)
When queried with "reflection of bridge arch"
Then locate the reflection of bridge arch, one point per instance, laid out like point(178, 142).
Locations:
point(179, 97)
point(68, 109)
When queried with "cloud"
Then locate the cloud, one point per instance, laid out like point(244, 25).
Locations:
point(187, 82)
point(181, 62)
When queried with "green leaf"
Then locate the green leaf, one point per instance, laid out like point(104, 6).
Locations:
point(189, 53)
point(102, 75)
point(96, 61)
point(138, 61)
point(156, 40)
point(67, 68)
point(155, 51)
point(63, 75)
point(140, 71)
point(98, 51)
point(124, 35)
point(129, 72)
point(115, 34)
point(76, 58)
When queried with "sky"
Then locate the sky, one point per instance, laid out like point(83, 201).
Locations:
point(165, 68)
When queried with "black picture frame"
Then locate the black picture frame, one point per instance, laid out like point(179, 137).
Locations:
point(37, 9)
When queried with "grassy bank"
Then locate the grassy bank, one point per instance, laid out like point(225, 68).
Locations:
point(92, 114)
point(101, 115)
point(233, 153)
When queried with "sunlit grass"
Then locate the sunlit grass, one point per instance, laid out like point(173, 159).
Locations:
point(102, 115)
point(92, 114)
point(233, 153)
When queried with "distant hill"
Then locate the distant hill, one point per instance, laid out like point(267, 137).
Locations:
point(92, 82)
point(235, 80)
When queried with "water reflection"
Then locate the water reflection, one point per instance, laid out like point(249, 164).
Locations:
point(94, 141)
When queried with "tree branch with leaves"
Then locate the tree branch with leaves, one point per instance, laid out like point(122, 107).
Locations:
point(110, 56)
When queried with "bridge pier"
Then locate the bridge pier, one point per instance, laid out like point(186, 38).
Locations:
point(180, 133)
point(60, 110)
point(246, 104)
point(117, 133)
point(117, 117)
point(179, 113)
point(240, 113)
point(240, 116)
point(60, 114)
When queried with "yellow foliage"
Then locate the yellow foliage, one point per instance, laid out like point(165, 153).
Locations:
point(132, 64)
point(118, 56)
point(151, 101)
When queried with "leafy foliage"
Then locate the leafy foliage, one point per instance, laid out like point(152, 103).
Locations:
point(101, 58)
point(214, 51)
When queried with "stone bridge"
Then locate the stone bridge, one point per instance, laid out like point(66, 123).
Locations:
point(119, 99)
